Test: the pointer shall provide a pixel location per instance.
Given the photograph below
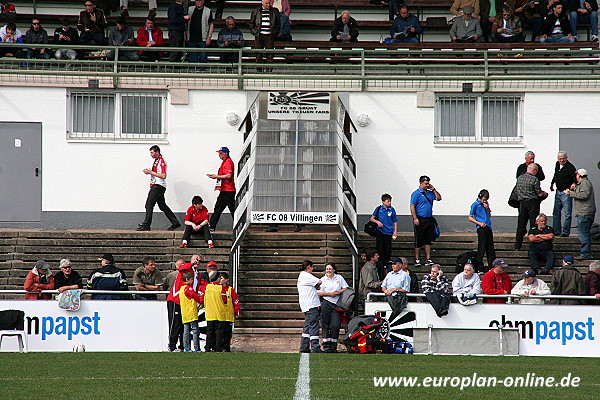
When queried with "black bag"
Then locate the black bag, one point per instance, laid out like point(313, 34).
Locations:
point(513, 200)
point(469, 257)
point(371, 227)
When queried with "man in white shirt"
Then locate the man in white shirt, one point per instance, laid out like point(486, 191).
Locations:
point(395, 286)
point(466, 286)
point(310, 304)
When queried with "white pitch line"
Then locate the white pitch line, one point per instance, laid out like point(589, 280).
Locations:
point(303, 382)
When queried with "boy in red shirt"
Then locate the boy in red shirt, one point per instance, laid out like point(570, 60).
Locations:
point(196, 220)
point(188, 299)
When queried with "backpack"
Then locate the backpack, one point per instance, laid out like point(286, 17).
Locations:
point(469, 257)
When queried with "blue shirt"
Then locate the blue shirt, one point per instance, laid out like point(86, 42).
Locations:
point(387, 216)
point(480, 214)
point(399, 279)
point(423, 206)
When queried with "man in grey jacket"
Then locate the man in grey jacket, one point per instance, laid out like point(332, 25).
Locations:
point(584, 205)
point(369, 279)
point(122, 35)
point(466, 29)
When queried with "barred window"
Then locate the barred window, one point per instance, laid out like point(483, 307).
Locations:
point(117, 115)
point(475, 118)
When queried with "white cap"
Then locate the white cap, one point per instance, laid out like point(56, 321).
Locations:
point(582, 172)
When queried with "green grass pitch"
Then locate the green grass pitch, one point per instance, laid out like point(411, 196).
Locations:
point(222, 376)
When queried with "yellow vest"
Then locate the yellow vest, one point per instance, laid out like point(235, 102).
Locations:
point(229, 311)
point(189, 307)
point(214, 309)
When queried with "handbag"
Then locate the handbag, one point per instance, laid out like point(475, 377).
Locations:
point(513, 200)
point(370, 226)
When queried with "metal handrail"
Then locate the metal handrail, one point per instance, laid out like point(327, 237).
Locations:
point(510, 297)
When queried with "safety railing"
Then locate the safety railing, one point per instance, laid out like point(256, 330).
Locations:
point(510, 297)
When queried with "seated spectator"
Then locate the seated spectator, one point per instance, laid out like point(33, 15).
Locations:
point(406, 27)
point(9, 35)
point(150, 36)
point(466, 286)
point(414, 281)
point(435, 287)
point(38, 279)
point(496, 281)
point(592, 282)
point(285, 29)
point(37, 35)
point(568, 281)
point(507, 28)
point(7, 9)
point(66, 35)
point(122, 35)
point(530, 285)
point(369, 278)
point(283, 6)
point(540, 238)
point(196, 220)
point(345, 29)
point(151, 8)
point(107, 277)
point(66, 278)
point(458, 7)
point(466, 28)
point(531, 14)
point(147, 278)
point(556, 27)
point(395, 286)
point(230, 37)
point(91, 23)
point(583, 12)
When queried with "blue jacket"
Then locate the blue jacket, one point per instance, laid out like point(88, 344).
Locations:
point(108, 277)
point(400, 24)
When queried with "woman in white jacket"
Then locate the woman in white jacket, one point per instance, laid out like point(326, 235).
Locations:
point(530, 285)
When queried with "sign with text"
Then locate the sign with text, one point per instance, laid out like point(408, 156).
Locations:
point(305, 218)
point(299, 105)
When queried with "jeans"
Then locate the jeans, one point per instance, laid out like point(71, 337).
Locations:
point(584, 224)
point(187, 341)
point(589, 18)
point(535, 23)
point(65, 54)
point(31, 53)
point(557, 39)
point(562, 202)
point(123, 55)
point(535, 255)
point(196, 57)
point(88, 37)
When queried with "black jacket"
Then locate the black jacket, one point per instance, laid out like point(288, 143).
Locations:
point(256, 19)
point(550, 20)
point(338, 26)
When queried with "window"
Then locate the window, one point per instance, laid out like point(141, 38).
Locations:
point(116, 115)
point(473, 118)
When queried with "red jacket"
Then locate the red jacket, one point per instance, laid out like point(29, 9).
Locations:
point(35, 278)
point(143, 38)
point(196, 216)
point(174, 292)
point(493, 283)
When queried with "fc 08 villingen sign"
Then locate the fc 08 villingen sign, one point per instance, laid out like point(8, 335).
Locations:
point(308, 218)
point(299, 105)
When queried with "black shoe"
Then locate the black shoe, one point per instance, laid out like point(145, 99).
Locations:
point(317, 350)
point(564, 235)
point(143, 228)
point(271, 230)
point(516, 248)
point(173, 227)
point(580, 258)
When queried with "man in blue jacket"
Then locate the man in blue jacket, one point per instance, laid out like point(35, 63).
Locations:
point(406, 27)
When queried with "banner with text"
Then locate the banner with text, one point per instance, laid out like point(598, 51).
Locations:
point(299, 105)
point(304, 218)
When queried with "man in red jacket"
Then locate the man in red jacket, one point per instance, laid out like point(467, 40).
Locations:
point(150, 36)
point(496, 281)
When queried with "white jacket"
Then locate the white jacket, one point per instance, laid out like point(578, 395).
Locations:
point(540, 287)
point(460, 284)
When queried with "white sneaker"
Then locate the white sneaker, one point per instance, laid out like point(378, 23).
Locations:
point(594, 38)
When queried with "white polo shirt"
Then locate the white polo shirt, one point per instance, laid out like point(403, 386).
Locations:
point(307, 292)
point(332, 285)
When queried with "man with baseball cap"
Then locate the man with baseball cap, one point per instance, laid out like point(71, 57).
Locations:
point(568, 281)
point(496, 281)
point(107, 277)
point(530, 285)
point(584, 205)
point(225, 185)
point(395, 286)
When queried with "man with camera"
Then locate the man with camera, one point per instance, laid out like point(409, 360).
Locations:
point(421, 209)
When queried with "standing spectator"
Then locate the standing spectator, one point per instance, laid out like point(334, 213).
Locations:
point(10, 35)
point(66, 35)
point(530, 159)
point(387, 226)
point(496, 281)
point(150, 35)
point(122, 35)
point(435, 287)
point(406, 27)
point(66, 278)
point(176, 25)
point(541, 238)
point(168, 283)
point(568, 281)
point(556, 27)
point(507, 28)
point(529, 194)
point(285, 29)
point(39, 278)
point(585, 209)
point(369, 278)
point(37, 35)
point(147, 278)
point(466, 28)
point(458, 7)
point(264, 25)
point(108, 277)
point(188, 300)
point(283, 6)
point(7, 9)
point(481, 215)
point(92, 22)
point(345, 29)
point(151, 8)
point(332, 286)
point(395, 286)
point(583, 12)
point(199, 31)
point(489, 10)
point(592, 282)
point(394, 8)
point(421, 209)
point(466, 285)
point(530, 285)
point(307, 285)
point(564, 177)
point(225, 185)
point(158, 187)
point(196, 220)
point(211, 274)
point(230, 37)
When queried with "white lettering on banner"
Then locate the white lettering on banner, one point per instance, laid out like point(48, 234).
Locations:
point(545, 330)
point(298, 105)
point(319, 218)
point(101, 325)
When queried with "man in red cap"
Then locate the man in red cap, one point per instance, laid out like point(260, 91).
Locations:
point(225, 185)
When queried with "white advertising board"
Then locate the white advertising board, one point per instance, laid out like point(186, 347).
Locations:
point(545, 330)
point(305, 218)
point(101, 325)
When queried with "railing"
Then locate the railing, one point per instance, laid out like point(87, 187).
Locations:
point(509, 297)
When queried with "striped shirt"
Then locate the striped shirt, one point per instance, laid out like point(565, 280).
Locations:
point(265, 23)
